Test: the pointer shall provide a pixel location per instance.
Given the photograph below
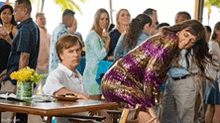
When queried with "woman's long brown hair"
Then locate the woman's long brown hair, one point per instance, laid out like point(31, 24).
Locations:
point(199, 51)
point(137, 24)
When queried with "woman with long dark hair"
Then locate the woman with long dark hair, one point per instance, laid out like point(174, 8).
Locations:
point(7, 31)
point(139, 30)
point(212, 94)
point(135, 78)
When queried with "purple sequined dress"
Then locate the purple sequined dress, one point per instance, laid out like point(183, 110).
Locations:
point(136, 77)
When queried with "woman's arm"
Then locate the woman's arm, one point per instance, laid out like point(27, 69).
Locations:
point(118, 51)
point(94, 43)
point(106, 38)
point(64, 91)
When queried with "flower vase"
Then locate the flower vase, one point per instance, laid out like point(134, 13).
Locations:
point(24, 89)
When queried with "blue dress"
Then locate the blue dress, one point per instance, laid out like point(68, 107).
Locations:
point(95, 52)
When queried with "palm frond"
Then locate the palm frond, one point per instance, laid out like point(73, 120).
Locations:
point(212, 3)
point(69, 4)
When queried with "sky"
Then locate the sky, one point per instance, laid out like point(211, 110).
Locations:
point(166, 10)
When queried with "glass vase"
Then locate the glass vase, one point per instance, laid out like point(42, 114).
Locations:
point(24, 89)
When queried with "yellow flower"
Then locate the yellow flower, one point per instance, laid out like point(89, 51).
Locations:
point(14, 75)
point(26, 74)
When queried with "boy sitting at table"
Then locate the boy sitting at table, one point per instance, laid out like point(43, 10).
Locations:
point(65, 78)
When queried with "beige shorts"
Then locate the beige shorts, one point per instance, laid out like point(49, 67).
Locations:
point(8, 86)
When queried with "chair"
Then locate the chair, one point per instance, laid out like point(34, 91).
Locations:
point(128, 116)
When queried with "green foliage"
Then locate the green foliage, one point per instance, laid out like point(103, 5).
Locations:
point(69, 4)
point(209, 3)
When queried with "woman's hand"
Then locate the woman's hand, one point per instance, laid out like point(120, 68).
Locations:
point(153, 114)
point(4, 34)
point(3, 75)
point(106, 38)
point(105, 35)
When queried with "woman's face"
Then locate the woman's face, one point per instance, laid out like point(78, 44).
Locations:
point(148, 28)
point(186, 39)
point(124, 18)
point(104, 20)
point(6, 15)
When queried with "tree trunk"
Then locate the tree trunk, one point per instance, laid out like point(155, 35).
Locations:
point(110, 5)
point(42, 5)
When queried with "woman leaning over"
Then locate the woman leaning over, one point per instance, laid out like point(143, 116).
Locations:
point(136, 78)
point(139, 30)
point(212, 94)
point(123, 19)
point(96, 45)
point(7, 31)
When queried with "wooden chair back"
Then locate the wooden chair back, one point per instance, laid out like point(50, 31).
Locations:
point(130, 115)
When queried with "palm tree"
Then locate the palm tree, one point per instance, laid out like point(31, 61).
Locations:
point(69, 4)
point(65, 4)
point(209, 4)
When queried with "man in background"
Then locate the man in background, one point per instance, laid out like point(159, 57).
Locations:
point(25, 48)
point(72, 30)
point(181, 92)
point(43, 58)
point(60, 30)
point(153, 14)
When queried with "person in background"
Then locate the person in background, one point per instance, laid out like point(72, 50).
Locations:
point(44, 53)
point(139, 31)
point(97, 45)
point(7, 32)
point(25, 48)
point(136, 78)
point(208, 32)
point(162, 25)
point(65, 78)
point(60, 30)
point(159, 97)
point(212, 94)
point(123, 19)
point(72, 30)
point(153, 14)
point(181, 87)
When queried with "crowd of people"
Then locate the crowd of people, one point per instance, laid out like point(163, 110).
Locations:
point(175, 67)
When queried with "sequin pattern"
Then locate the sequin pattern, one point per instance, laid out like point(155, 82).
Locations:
point(136, 77)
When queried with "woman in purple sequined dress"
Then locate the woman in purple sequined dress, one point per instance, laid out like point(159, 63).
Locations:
point(135, 78)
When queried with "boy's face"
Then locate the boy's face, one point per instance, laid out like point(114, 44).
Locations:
point(71, 56)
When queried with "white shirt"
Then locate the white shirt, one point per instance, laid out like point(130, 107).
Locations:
point(64, 77)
